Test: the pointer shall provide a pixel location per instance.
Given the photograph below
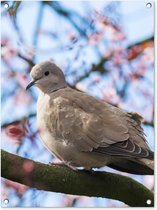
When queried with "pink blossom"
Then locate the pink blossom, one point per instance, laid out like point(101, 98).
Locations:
point(9, 52)
point(111, 96)
point(72, 36)
point(149, 54)
point(81, 86)
point(21, 79)
point(22, 97)
point(134, 52)
point(15, 132)
point(95, 38)
point(97, 79)
point(28, 166)
point(19, 188)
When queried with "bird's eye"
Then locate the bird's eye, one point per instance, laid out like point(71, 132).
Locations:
point(46, 73)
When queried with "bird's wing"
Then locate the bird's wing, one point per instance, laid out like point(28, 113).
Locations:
point(92, 125)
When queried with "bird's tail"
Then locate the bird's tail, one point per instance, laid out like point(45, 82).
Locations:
point(140, 167)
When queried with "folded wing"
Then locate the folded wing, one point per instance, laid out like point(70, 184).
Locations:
point(94, 126)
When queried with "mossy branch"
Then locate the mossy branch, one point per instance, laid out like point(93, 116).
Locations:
point(62, 179)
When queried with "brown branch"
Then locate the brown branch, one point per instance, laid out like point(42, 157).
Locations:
point(62, 179)
point(29, 61)
point(15, 7)
point(95, 67)
point(149, 123)
point(18, 120)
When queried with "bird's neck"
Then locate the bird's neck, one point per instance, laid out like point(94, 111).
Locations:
point(59, 88)
point(52, 85)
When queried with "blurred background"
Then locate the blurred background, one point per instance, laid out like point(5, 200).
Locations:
point(105, 48)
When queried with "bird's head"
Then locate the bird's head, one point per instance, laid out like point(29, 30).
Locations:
point(47, 76)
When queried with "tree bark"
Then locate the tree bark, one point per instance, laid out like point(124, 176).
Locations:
point(64, 180)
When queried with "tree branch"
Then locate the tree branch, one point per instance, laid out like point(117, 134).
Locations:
point(18, 120)
point(62, 179)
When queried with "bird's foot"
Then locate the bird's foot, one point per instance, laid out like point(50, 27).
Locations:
point(68, 164)
point(64, 163)
point(59, 163)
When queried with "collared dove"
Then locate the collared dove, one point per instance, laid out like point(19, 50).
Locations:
point(85, 132)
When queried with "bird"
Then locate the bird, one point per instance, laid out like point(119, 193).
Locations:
point(82, 131)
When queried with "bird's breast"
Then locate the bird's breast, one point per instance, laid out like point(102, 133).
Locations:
point(46, 118)
point(47, 127)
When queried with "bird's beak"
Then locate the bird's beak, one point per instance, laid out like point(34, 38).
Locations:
point(30, 84)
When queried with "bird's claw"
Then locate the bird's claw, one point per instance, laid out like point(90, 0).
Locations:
point(64, 163)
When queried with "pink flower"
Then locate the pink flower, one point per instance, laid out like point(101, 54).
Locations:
point(21, 79)
point(19, 188)
point(95, 38)
point(15, 132)
point(22, 98)
point(28, 166)
point(72, 36)
point(9, 52)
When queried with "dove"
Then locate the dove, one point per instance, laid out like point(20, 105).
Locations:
point(83, 131)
